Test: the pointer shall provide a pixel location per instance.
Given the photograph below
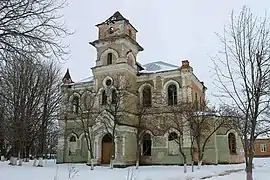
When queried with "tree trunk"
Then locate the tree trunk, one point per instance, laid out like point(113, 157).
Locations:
point(192, 166)
point(20, 162)
point(20, 159)
point(249, 173)
point(137, 164)
point(14, 152)
point(92, 163)
point(111, 163)
point(199, 164)
point(185, 163)
point(138, 156)
point(185, 168)
point(35, 162)
point(112, 153)
point(40, 162)
point(249, 176)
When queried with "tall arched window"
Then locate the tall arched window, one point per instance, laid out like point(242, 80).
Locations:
point(114, 96)
point(72, 145)
point(147, 145)
point(232, 143)
point(104, 98)
point(172, 95)
point(147, 97)
point(76, 104)
point(173, 147)
point(109, 58)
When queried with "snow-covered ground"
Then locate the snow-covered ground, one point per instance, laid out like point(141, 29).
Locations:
point(48, 172)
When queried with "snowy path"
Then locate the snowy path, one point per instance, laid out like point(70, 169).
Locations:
point(220, 172)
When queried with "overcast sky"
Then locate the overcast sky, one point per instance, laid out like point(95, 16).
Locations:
point(169, 31)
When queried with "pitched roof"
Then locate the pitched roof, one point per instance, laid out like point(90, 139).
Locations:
point(158, 66)
point(153, 67)
point(117, 16)
point(84, 81)
point(67, 77)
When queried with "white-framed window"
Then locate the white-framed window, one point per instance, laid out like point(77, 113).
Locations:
point(263, 148)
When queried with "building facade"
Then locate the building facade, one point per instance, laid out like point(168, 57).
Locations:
point(157, 85)
point(262, 148)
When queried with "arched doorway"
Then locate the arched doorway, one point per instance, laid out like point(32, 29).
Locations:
point(106, 149)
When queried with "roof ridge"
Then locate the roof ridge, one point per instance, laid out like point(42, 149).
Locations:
point(161, 62)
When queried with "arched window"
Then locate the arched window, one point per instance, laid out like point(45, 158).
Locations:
point(111, 30)
point(76, 104)
point(147, 97)
point(130, 59)
point(109, 58)
point(72, 139)
point(173, 146)
point(104, 98)
point(172, 136)
point(114, 96)
point(147, 145)
point(72, 145)
point(172, 95)
point(232, 143)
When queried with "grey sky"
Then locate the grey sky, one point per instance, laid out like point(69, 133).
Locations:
point(169, 31)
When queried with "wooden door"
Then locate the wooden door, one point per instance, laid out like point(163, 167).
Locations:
point(106, 152)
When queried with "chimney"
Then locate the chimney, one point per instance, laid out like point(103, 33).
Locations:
point(185, 64)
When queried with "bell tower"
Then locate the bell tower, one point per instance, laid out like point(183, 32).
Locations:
point(116, 45)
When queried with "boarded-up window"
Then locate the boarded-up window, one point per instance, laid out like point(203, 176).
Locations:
point(232, 143)
point(147, 97)
point(109, 58)
point(76, 102)
point(104, 98)
point(72, 145)
point(147, 145)
point(114, 96)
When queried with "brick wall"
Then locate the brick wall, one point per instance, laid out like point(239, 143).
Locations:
point(258, 148)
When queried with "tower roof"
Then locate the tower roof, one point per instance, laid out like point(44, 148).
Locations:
point(67, 78)
point(117, 16)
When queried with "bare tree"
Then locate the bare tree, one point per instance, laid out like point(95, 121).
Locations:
point(175, 120)
point(49, 104)
point(203, 123)
point(115, 103)
point(187, 112)
point(141, 129)
point(30, 27)
point(30, 90)
point(242, 75)
point(86, 119)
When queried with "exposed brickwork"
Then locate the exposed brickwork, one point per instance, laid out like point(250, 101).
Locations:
point(121, 42)
point(258, 148)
